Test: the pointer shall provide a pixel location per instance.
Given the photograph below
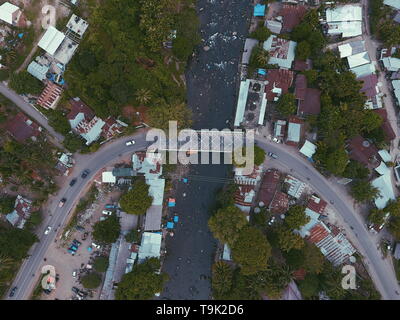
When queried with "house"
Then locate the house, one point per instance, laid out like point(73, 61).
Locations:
point(345, 20)
point(308, 99)
point(386, 126)
point(362, 151)
point(299, 65)
point(308, 149)
point(84, 122)
point(291, 16)
point(295, 128)
point(244, 197)
point(150, 247)
point(382, 169)
point(392, 3)
point(279, 203)
point(396, 90)
point(296, 187)
point(385, 187)
point(64, 163)
point(358, 59)
point(50, 96)
point(316, 205)
point(371, 91)
point(76, 27)
point(242, 178)
point(51, 40)
point(279, 130)
point(391, 64)
point(363, 70)
point(268, 187)
point(10, 13)
point(38, 70)
point(112, 127)
point(22, 128)
point(281, 51)
point(259, 10)
point(275, 26)
point(278, 83)
point(21, 212)
point(351, 48)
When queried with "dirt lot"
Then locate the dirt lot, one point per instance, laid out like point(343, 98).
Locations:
point(65, 263)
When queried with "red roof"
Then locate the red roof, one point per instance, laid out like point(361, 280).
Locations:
point(22, 128)
point(268, 186)
point(77, 106)
point(309, 98)
point(369, 85)
point(278, 78)
point(241, 193)
point(386, 126)
point(362, 150)
point(280, 203)
point(292, 15)
point(300, 65)
point(111, 128)
point(300, 87)
point(316, 204)
point(317, 233)
point(50, 95)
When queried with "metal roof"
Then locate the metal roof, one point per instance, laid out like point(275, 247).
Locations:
point(308, 149)
point(364, 70)
point(385, 187)
point(358, 59)
point(392, 3)
point(294, 130)
point(282, 51)
point(351, 48)
point(150, 246)
point(6, 12)
point(51, 40)
point(37, 70)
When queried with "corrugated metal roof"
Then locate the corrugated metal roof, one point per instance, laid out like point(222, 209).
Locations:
point(51, 40)
point(6, 12)
point(37, 70)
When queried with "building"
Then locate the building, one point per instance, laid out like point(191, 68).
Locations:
point(371, 91)
point(296, 187)
point(391, 64)
point(316, 205)
point(351, 48)
point(268, 187)
point(291, 16)
point(281, 51)
point(278, 83)
point(259, 10)
point(363, 151)
point(50, 96)
point(392, 3)
point(22, 128)
point(294, 133)
point(385, 187)
point(396, 90)
point(358, 59)
point(51, 40)
point(386, 126)
point(244, 197)
point(10, 13)
point(21, 212)
point(150, 246)
point(112, 127)
point(345, 20)
point(38, 70)
point(308, 149)
point(275, 26)
point(363, 70)
point(84, 122)
point(279, 203)
point(308, 99)
point(65, 162)
point(76, 27)
point(279, 130)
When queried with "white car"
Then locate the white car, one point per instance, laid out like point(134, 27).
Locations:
point(107, 212)
point(48, 229)
point(96, 246)
point(130, 143)
point(74, 273)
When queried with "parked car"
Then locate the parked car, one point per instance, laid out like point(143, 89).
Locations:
point(75, 290)
point(76, 242)
point(12, 292)
point(72, 247)
point(107, 212)
point(73, 181)
point(74, 273)
point(272, 155)
point(71, 251)
point(96, 245)
point(47, 231)
point(111, 206)
point(85, 173)
point(62, 202)
point(130, 143)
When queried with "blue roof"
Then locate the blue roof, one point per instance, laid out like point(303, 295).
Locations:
point(259, 10)
point(176, 219)
point(262, 72)
point(170, 225)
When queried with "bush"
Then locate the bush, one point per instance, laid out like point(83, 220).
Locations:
point(24, 83)
point(91, 280)
point(101, 264)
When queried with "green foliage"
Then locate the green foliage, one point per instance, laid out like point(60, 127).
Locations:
point(24, 83)
point(227, 223)
point(296, 217)
point(394, 227)
point(100, 264)
point(286, 105)
point(161, 114)
point(6, 204)
point(332, 157)
point(258, 59)
point(15, 243)
point(4, 74)
point(288, 240)
point(107, 231)
point(355, 170)
point(58, 121)
point(363, 191)
point(73, 142)
point(259, 155)
point(389, 32)
point(376, 216)
point(251, 250)
point(303, 50)
point(142, 283)
point(309, 287)
point(311, 76)
point(222, 278)
point(225, 197)
point(91, 280)
point(133, 236)
point(262, 33)
point(137, 200)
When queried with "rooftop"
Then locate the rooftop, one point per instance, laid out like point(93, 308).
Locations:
point(268, 187)
point(77, 25)
point(281, 51)
point(22, 128)
point(351, 48)
point(51, 40)
point(392, 3)
point(385, 187)
point(296, 187)
point(8, 12)
point(358, 59)
point(150, 246)
point(292, 16)
point(362, 150)
point(308, 149)
point(37, 70)
point(278, 83)
point(50, 96)
point(280, 203)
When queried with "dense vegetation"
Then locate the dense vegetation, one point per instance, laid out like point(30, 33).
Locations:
point(107, 231)
point(137, 200)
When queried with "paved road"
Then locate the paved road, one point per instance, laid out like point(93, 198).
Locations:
point(380, 270)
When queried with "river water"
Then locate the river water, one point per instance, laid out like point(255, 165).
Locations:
point(212, 80)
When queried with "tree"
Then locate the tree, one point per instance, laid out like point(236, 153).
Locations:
point(91, 280)
point(296, 217)
point(142, 283)
point(24, 83)
point(394, 227)
point(59, 121)
point(259, 155)
point(303, 50)
point(262, 33)
point(251, 250)
point(137, 200)
point(107, 231)
point(364, 191)
point(6, 204)
point(222, 276)
point(376, 216)
point(225, 196)
point(15, 243)
point(288, 240)
point(4, 74)
point(309, 287)
point(143, 96)
point(161, 114)
point(133, 236)
point(100, 264)
point(313, 258)
point(371, 121)
point(311, 76)
point(226, 224)
point(73, 143)
point(355, 170)
point(286, 105)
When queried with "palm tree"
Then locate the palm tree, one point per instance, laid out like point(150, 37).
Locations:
point(262, 57)
point(5, 262)
point(143, 96)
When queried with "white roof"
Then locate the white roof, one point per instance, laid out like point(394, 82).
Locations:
point(385, 187)
point(242, 99)
point(108, 177)
point(294, 130)
point(6, 12)
point(391, 63)
point(396, 87)
point(37, 70)
point(364, 70)
point(393, 3)
point(308, 149)
point(382, 169)
point(150, 245)
point(153, 218)
point(51, 40)
point(262, 109)
point(358, 59)
point(226, 255)
point(385, 155)
point(344, 13)
point(346, 28)
point(274, 26)
point(351, 48)
point(284, 55)
point(77, 25)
